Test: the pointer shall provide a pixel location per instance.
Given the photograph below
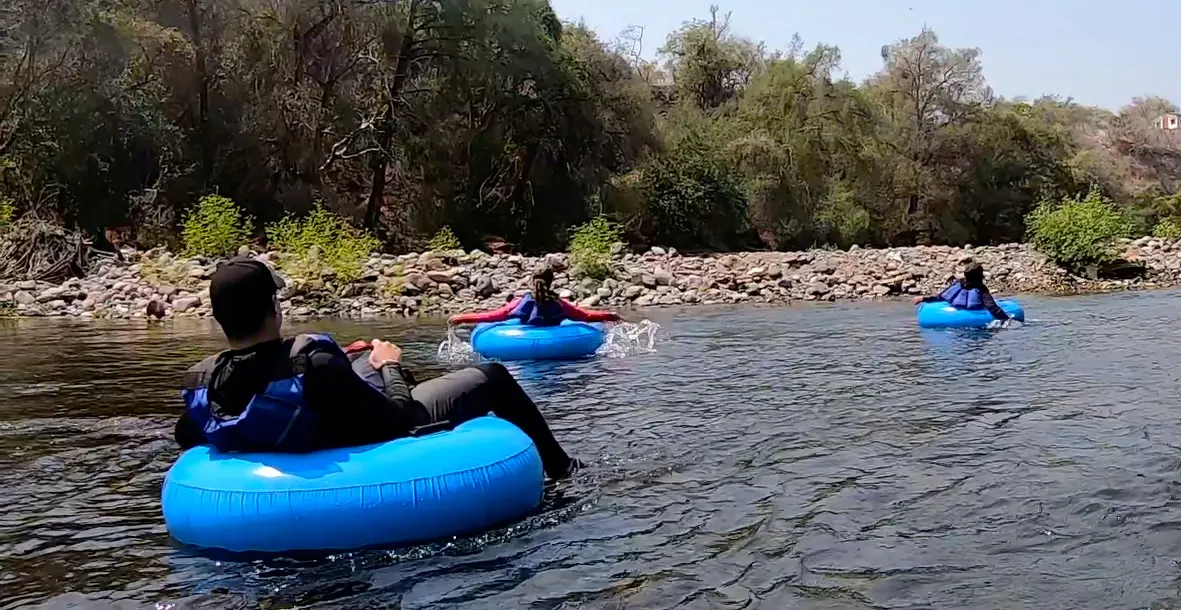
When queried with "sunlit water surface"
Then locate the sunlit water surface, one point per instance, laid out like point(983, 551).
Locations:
point(816, 457)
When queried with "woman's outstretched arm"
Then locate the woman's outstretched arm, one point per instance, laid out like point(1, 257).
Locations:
point(579, 314)
point(497, 315)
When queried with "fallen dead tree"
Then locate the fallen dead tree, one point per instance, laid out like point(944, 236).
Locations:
point(32, 249)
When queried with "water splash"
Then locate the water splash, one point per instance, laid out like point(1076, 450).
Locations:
point(627, 339)
point(456, 350)
point(622, 339)
point(1005, 324)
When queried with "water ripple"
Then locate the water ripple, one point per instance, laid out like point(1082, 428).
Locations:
point(827, 457)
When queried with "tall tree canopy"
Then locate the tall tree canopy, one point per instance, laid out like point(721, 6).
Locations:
point(496, 119)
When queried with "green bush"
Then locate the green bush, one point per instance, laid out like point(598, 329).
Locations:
point(1168, 228)
point(443, 241)
point(1150, 209)
point(216, 227)
point(320, 241)
point(1076, 232)
point(590, 248)
point(7, 212)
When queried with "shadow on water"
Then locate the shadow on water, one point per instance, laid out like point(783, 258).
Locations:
point(815, 457)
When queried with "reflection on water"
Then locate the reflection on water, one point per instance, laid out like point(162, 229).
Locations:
point(795, 457)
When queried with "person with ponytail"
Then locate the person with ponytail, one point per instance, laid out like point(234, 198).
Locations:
point(970, 293)
point(539, 307)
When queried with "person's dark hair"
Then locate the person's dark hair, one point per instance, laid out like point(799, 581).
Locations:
point(974, 273)
point(246, 319)
point(242, 295)
point(543, 279)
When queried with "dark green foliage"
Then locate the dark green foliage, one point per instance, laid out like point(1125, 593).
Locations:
point(695, 198)
point(494, 118)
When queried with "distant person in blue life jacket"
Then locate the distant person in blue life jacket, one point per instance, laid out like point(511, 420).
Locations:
point(271, 394)
point(541, 307)
point(970, 293)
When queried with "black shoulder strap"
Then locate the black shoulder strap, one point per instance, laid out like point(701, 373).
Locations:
point(301, 348)
point(199, 374)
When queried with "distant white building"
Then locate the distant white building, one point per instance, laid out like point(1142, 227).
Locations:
point(1166, 121)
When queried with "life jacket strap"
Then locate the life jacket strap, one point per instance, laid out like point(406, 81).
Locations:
point(290, 424)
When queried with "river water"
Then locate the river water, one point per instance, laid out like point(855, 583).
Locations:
point(820, 457)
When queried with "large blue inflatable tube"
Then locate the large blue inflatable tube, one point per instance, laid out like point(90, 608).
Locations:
point(943, 315)
point(483, 473)
point(512, 340)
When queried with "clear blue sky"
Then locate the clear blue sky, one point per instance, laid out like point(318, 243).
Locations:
point(1100, 53)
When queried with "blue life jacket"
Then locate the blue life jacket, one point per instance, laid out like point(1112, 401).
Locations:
point(276, 420)
point(532, 312)
point(962, 298)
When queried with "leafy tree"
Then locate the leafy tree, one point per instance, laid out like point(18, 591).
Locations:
point(709, 65)
point(494, 118)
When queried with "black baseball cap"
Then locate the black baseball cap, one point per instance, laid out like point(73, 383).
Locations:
point(241, 292)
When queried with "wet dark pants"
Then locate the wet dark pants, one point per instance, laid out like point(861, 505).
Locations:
point(474, 392)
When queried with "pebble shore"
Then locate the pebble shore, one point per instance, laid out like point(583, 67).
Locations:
point(442, 283)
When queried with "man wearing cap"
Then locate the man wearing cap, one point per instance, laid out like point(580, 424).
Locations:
point(271, 394)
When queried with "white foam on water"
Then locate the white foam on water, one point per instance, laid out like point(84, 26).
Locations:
point(622, 339)
point(628, 338)
point(456, 350)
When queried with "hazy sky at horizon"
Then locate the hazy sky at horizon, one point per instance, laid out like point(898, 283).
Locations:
point(1089, 50)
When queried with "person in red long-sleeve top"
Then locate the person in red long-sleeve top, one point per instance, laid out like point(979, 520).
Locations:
point(541, 307)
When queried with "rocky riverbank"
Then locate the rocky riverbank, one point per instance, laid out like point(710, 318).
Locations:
point(436, 283)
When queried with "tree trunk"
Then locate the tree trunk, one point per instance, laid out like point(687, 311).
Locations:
point(202, 73)
point(378, 167)
point(385, 137)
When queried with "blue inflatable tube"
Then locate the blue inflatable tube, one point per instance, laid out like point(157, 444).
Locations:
point(512, 340)
point(943, 315)
point(482, 473)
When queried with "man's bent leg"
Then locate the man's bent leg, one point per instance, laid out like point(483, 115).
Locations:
point(474, 392)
